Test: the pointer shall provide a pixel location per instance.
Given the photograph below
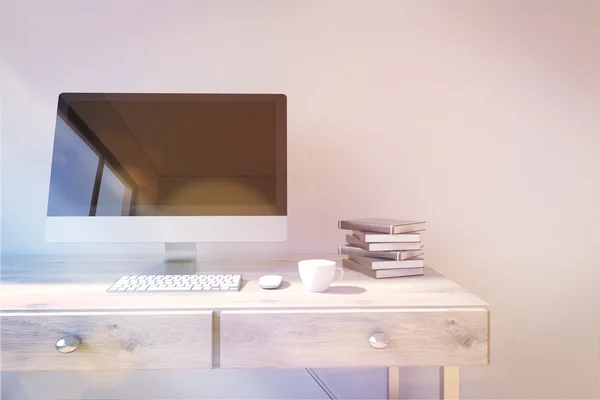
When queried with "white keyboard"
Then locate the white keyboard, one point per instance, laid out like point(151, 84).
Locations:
point(178, 283)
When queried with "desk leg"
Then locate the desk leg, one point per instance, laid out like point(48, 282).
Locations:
point(449, 383)
point(393, 379)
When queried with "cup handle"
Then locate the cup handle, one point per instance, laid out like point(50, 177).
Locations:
point(341, 274)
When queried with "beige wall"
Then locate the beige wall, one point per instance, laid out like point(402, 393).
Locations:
point(481, 117)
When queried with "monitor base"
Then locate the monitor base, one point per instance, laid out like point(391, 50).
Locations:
point(180, 259)
point(184, 252)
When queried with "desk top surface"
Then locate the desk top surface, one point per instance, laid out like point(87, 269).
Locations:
point(42, 285)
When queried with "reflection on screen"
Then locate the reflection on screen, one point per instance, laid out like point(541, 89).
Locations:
point(114, 197)
point(74, 167)
point(169, 155)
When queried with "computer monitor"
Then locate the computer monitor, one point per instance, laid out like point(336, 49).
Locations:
point(171, 168)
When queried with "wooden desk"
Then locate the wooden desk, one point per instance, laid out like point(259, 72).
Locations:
point(427, 320)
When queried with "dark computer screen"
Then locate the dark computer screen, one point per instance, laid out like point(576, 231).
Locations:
point(169, 155)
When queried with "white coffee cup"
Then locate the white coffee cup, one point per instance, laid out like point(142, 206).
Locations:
point(317, 275)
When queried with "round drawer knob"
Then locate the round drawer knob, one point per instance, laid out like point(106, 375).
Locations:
point(379, 340)
point(68, 344)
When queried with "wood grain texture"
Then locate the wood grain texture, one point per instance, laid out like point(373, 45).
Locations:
point(110, 341)
point(339, 338)
point(81, 285)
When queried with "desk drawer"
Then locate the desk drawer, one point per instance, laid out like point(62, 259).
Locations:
point(108, 341)
point(313, 338)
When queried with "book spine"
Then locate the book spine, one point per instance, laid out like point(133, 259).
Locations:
point(356, 242)
point(362, 261)
point(407, 254)
point(407, 228)
point(401, 265)
point(390, 246)
point(376, 264)
point(348, 263)
point(354, 226)
point(383, 273)
point(385, 255)
point(385, 238)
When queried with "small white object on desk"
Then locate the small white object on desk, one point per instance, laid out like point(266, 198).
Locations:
point(317, 275)
point(270, 281)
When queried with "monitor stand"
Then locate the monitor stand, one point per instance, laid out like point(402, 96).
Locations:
point(180, 259)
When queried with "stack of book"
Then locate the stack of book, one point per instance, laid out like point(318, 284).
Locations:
point(383, 248)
